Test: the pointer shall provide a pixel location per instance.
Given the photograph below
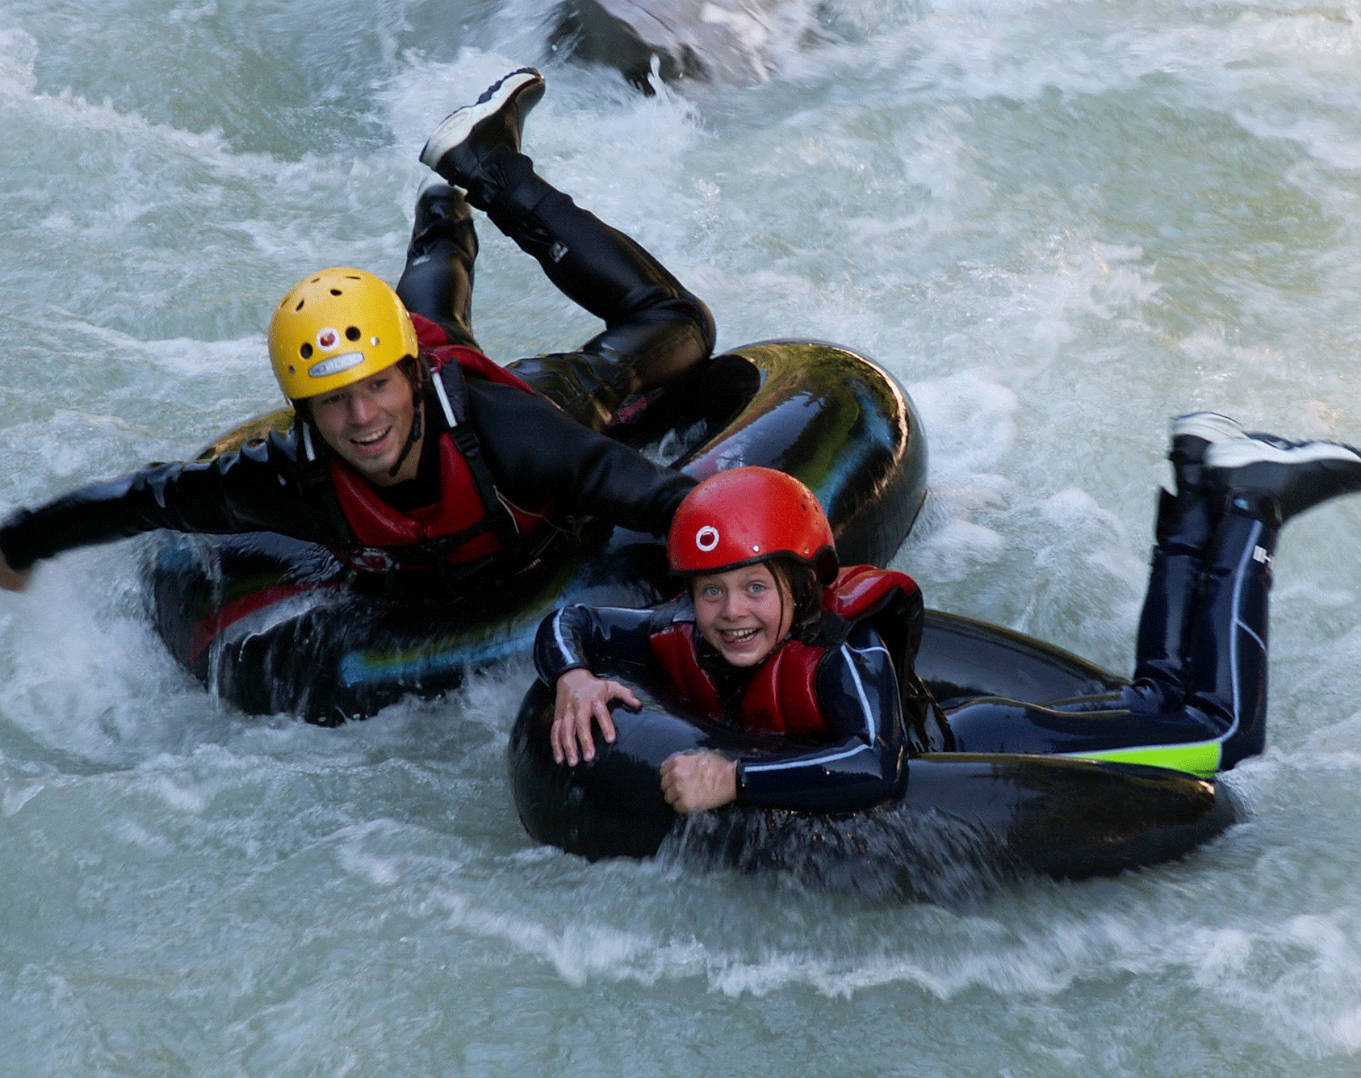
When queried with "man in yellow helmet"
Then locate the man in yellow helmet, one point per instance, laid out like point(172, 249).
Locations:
point(410, 449)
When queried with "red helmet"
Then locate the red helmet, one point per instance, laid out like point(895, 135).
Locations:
point(745, 515)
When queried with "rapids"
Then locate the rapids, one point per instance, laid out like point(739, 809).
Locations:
point(1059, 222)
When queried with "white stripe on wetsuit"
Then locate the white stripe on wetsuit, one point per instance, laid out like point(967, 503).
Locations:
point(1239, 577)
point(572, 658)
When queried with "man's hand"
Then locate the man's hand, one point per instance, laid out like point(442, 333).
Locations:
point(13, 579)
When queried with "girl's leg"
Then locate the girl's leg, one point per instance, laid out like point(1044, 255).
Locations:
point(1264, 481)
point(1223, 717)
point(1149, 710)
point(1183, 530)
point(1227, 639)
point(1185, 523)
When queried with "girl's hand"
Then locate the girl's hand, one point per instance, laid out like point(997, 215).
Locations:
point(582, 696)
point(695, 781)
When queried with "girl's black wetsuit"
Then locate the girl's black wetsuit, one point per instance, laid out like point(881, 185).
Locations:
point(862, 761)
point(1197, 701)
point(855, 734)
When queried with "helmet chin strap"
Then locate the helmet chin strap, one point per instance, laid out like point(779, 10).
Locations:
point(411, 439)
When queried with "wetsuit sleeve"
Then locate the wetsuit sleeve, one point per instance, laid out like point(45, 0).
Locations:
point(256, 489)
point(539, 455)
point(865, 761)
point(595, 638)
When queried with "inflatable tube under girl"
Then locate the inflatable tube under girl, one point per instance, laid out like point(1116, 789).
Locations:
point(959, 820)
point(274, 624)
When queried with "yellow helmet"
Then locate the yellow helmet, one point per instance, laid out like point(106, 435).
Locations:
point(334, 328)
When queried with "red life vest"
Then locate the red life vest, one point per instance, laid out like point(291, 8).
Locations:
point(461, 526)
point(782, 695)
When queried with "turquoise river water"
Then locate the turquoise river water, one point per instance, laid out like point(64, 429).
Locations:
point(1059, 222)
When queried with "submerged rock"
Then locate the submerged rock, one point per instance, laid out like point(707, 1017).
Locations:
point(719, 40)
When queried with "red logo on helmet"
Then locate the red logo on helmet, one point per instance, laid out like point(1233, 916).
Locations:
point(328, 339)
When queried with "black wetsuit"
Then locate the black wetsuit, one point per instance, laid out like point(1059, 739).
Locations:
point(536, 455)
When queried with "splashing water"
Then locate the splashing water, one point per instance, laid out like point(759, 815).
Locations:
point(1058, 223)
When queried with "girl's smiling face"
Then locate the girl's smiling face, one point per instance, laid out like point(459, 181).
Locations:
point(743, 613)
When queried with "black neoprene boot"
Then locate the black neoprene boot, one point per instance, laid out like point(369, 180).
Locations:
point(459, 146)
point(1296, 475)
point(1192, 436)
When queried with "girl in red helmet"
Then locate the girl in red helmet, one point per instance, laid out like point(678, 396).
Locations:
point(770, 636)
point(767, 635)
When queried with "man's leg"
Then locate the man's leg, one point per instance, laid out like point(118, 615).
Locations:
point(655, 329)
point(438, 279)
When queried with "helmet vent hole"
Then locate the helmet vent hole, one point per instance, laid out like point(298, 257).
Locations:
point(353, 334)
point(336, 292)
point(306, 350)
